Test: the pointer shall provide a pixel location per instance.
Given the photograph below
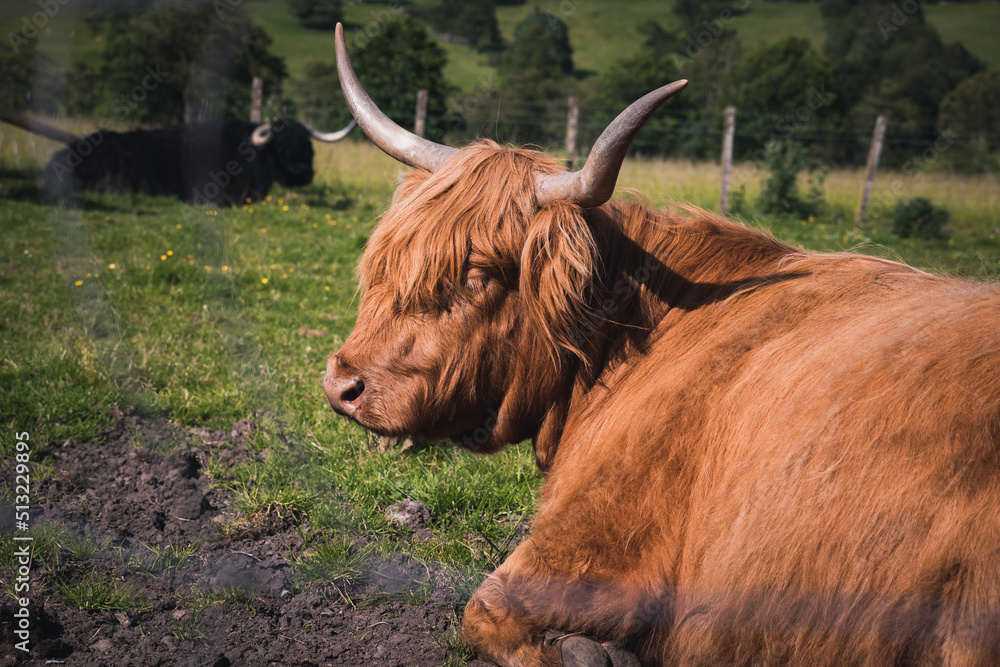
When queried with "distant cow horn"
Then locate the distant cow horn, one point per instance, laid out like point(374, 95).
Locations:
point(401, 144)
point(261, 135)
point(330, 136)
point(594, 184)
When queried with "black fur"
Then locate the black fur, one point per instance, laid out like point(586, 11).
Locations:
point(206, 163)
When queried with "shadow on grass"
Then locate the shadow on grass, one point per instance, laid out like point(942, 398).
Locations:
point(21, 184)
point(327, 196)
point(27, 184)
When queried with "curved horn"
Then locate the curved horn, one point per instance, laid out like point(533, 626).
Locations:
point(330, 137)
point(36, 126)
point(261, 135)
point(595, 183)
point(401, 144)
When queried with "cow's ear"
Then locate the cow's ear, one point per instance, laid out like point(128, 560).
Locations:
point(558, 269)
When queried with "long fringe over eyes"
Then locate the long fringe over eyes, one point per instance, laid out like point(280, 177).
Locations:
point(479, 211)
point(474, 209)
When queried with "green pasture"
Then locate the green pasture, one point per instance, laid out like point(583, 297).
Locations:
point(210, 315)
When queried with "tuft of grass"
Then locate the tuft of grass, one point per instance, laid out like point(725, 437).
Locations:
point(83, 547)
point(45, 539)
point(240, 597)
point(160, 559)
point(457, 652)
point(262, 501)
point(50, 541)
point(267, 490)
point(419, 594)
point(335, 561)
point(189, 627)
point(94, 593)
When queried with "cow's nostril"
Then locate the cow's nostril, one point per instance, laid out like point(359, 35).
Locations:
point(353, 390)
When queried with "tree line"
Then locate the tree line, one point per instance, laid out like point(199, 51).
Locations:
point(877, 59)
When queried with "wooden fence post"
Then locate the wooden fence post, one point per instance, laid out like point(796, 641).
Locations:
point(727, 156)
point(572, 122)
point(420, 124)
point(256, 100)
point(873, 156)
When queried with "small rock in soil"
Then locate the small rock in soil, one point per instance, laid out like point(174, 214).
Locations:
point(409, 513)
point(102, 646)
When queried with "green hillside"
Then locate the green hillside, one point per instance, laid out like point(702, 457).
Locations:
point(603, 31)
point(975, 25)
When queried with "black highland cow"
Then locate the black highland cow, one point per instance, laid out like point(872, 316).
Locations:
point(217, 162)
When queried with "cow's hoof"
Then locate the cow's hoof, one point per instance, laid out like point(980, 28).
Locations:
point(620, 657)
point(578, 651)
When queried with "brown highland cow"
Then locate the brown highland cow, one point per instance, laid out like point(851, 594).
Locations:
point(753, 454)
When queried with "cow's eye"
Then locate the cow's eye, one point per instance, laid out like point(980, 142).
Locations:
point(476, 278)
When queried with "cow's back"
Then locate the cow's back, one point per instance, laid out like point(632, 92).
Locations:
point(815, 466)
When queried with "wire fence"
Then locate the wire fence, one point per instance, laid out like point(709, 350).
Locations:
point(840, 141)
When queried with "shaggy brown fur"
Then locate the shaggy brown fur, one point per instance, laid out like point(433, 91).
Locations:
point(753, 454)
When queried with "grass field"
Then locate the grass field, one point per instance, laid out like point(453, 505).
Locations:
point(209, 316)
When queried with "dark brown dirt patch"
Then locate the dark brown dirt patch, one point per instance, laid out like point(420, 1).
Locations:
point(141, 491)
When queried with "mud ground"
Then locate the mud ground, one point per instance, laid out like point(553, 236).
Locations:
point(234, 600)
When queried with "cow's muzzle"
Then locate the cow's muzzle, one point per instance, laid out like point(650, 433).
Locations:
point(345, 389)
